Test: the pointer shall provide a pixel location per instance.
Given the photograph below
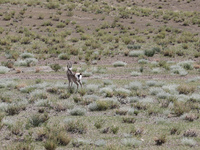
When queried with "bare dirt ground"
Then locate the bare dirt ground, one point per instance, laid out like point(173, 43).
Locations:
point(90, 21)
point(47, 73)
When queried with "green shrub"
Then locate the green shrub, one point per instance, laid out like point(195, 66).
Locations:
point(143, 61)
point(149, 52)
point(129, 119)
point(13, 109)
point(135, 73)
point(1, 30)
point(13, 54)
point(60, 106)
point(64, 95)
point(23, 146)
point(7, 17)
point(63, 139)
point(38, 94)
point(131, 142)
point(156, 49)
point(50, 145)
point(47, 23)
point(4, 42)
point(76, 127)
point(188, 142)
point(31, 61)
point(114, 129)
point(70, 14)
point(136, 85)
point(99, 123)
point(37, 81)
point(107, 82)
point(16, 129)
point(52, 5)
point(133, 46)
point(60, 25)
point(77, 99)
point(100, 142)
point(122, 92)
point(64, 56)
point(55, 67)
point(169, 52)
point(136, 53)
point(88, 99)
point(82, 91)
point(3, 70)
point(26, 55)
point(25, 40)
point(104, 104)
point(121, 111)
point(77, 112)
point(74, 39)
point(37, 119)
point(92, 88)
point(107, 91)
point(119, 64)
point(187, 66)
point(86, 74)
point(99, 106)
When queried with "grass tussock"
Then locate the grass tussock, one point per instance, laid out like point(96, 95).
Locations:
point(76, 127)
point(37, 120)
point(185, 89)
point(102, 105)
point(3, 69)
point(160, 139)
point(136, 81)
point(119, 64)
point(188, 142)
point(78, 112)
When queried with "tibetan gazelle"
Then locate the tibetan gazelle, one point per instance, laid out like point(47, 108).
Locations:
point(72, 76)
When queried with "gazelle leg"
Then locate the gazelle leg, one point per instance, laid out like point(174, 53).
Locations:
point(80, 83)
point(69, 84)
point(77, 85)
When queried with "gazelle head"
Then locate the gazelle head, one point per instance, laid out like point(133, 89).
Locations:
point(69, 65)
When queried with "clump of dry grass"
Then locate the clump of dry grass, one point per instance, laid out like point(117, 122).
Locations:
point(190, 116)
point(181, 108)
point(129, 120)
point(185, 89)
point(76, 127)
point(161, 139)
point(190, 133)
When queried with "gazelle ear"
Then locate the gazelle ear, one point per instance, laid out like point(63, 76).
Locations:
point(70, 64)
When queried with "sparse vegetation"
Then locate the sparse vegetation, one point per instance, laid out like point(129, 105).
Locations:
point(119, 64)
point(139, 62)
point(55, 67)
point(160, 139)
point(76, 127)
point(37, 119)
point(3, 70)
